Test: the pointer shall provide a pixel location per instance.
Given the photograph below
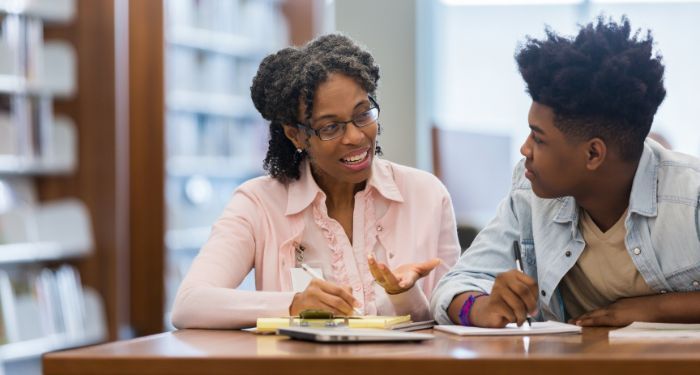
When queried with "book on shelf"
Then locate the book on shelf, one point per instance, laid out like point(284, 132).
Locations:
point(7, 308)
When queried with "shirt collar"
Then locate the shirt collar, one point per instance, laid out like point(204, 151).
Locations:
point(304, 191)
point(643, 196)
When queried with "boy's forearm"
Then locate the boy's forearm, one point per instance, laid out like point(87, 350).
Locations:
point(682, 307)
point(455, 306)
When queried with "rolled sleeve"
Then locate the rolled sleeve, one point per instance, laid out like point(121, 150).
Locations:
point(489, 255)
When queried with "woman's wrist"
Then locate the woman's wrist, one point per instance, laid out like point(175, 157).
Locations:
point(291, 305)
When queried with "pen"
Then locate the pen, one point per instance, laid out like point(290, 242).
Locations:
point(315, 275)
point(519, 265)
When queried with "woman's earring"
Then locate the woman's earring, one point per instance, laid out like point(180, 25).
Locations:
point(298, 154)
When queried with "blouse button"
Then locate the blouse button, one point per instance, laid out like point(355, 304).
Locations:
point(567, 253)
point(696, 283)
point(544, 293)
point(637, 251)
point(380, 228)
point(664, 291)
point(391, 256)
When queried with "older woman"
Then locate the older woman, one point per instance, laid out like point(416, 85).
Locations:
point(380, 235)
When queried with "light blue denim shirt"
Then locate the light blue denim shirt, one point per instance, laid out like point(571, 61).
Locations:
point(663, 235)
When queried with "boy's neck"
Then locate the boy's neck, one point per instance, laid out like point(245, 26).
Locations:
point(608, 195)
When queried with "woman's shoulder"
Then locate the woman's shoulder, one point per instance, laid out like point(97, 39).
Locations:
point(263, 187)
point(409, 179)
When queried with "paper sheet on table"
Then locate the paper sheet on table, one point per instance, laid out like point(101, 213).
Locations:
point(644, 331)
point(538, 328)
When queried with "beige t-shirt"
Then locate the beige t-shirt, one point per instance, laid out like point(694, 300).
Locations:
point(604, 272)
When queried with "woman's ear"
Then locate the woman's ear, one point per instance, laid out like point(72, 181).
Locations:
point(596, 152)
point(293, 134)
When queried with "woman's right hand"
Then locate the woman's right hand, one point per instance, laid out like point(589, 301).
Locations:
point(324, 295)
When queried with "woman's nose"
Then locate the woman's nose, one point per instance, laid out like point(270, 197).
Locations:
point(353, 134)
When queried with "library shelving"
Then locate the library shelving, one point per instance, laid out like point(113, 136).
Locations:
point(43, 303)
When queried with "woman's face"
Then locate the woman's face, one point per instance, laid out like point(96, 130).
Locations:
point(348, 157)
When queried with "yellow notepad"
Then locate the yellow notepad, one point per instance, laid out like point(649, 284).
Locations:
point(371, 321)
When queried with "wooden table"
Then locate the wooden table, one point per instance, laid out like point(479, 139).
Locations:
point(237, 352)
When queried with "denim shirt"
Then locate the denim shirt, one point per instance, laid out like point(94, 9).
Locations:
point(663, 236)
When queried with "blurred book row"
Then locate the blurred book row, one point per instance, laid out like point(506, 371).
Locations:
point(44, 308)
point(32, 73)
point(48, 309)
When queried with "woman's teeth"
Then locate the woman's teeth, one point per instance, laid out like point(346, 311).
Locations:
point(355, 159)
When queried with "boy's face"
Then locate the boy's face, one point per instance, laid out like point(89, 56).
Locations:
point(555, 165)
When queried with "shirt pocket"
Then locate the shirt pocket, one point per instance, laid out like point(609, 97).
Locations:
point(686, 279)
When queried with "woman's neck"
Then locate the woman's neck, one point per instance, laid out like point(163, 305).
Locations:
point(338, 194)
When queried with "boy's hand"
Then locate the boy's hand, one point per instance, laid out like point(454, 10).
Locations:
point(621, 313)
point(513, 296)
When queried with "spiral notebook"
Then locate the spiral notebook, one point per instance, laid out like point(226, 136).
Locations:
point(538, 328)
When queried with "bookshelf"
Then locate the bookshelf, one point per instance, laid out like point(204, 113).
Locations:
point(214, 137)
point(43, 303)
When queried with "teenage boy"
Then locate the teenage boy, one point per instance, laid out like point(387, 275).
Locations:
point(607, 222)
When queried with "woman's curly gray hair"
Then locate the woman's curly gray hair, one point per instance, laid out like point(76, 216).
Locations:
point(290, 77)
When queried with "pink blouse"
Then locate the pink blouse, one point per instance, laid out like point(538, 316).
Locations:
point(404, 215)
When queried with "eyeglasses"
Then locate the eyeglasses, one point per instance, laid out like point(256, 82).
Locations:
point(337, 128)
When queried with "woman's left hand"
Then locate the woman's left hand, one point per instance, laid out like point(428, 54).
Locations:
point(403, 277)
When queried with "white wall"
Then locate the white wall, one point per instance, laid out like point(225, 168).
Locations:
point(388, 29)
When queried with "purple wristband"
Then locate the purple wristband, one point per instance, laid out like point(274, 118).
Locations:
point(467, 308)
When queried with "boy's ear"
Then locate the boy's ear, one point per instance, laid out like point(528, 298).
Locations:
point(293, 134)
point(596, 152)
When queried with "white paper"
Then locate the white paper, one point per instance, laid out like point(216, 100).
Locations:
point(643, 330)
point(538, 328)
point(301, 279)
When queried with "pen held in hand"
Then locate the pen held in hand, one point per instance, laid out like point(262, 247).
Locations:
point(315, 275)
point(519, 265)
point(311, 271)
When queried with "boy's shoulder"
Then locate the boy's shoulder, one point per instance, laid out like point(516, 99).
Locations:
point(676, 172)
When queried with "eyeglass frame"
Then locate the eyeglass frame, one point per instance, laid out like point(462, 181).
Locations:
point(317, 132)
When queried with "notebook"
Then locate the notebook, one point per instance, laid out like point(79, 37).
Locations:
point(656, 331)
point(344, 334)
point(370, 321)
point(538, 328)
point(414, 326)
